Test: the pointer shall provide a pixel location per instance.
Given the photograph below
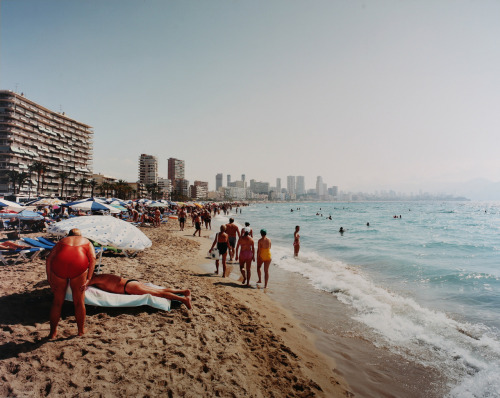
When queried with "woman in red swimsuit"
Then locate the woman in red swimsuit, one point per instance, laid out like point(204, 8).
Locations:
point(71, 260)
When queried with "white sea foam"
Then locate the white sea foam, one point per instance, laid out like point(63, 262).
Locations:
point(468, 353)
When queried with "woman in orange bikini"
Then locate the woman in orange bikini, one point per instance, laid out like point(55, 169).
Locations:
point(263, 256)
point(71, 260)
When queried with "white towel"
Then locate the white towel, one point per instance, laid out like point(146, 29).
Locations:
point(100, 298)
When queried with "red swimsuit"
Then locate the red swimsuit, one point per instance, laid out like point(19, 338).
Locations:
point(70, 261)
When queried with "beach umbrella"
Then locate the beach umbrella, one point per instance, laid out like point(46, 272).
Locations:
point(90, 205)
point(47, 202)
point(84, 200)
point(105, 230)
point(28, 215)
point(114, 201)
point(157, 204)
point(117, 206)
point(10, 205)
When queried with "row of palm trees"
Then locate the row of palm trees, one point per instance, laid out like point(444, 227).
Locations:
point(120, 188)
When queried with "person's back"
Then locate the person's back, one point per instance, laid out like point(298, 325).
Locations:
point(232, 230)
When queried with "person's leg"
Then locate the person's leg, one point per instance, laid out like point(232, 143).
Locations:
point(259, 264)
point(58, 287)
point(217, 267)
point(248, 266)
point(224, 256)
point(266, 272)
point(242, 270)
point(79, 301)
point(136, 287)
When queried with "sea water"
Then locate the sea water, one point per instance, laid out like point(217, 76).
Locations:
point(422, 278)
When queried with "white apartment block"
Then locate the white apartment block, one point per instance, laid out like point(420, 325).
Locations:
point(31, 133)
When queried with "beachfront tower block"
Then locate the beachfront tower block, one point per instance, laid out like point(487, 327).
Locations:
point(148, 169)
point(218, 181)
point(33, 138)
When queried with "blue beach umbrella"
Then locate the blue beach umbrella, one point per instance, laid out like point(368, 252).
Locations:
point(90, 205)
point(28, 215)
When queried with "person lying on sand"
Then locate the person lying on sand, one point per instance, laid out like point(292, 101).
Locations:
point(116, 284)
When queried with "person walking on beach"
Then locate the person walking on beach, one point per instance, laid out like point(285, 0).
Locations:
point(245, 250)
point(233, 232)
point(182, 218)
point(296, 241)
point(72, 260)
point(197, 223)
point(247, 225)
point(263, 256)
point(221, 240)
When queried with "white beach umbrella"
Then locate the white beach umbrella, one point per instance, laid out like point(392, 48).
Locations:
point(7, 204)
point(105, 230)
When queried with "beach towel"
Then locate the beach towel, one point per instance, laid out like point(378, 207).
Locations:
point(100, 298)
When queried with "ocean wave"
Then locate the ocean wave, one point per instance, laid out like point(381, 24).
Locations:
point(466, 352)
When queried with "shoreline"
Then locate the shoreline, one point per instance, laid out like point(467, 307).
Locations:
point(234, 342)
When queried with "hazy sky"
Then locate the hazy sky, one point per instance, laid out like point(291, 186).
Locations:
point(376, 94)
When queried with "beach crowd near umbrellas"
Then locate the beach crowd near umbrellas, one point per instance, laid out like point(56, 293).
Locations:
point(53, 215)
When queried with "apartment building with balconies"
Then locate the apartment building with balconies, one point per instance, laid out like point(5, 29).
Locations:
point(31, 133)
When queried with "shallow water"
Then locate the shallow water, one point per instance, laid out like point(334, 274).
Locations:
point(424, 287)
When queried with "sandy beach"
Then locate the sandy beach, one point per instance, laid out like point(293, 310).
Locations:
point(234, 342)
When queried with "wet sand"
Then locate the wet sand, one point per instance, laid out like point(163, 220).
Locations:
point(234, 342)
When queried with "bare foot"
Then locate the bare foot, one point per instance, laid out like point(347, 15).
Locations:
point(188, 302)
point(52, 336)
point(259, 281)
point(244, 280)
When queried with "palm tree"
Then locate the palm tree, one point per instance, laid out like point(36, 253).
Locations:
point(82, 182)
point(122, 188)
point(21, 179)
point(12, 176)
point(93, 183)
point(63, 176)
point(40, 168)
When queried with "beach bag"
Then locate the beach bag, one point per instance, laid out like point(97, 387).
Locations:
point(214, 254)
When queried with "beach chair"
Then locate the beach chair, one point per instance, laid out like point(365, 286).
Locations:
point(19, 255)
point(37, 243)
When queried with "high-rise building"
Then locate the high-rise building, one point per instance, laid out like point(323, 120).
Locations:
point(176, 175)
point(278, 185)
point(199, 190)
point(228, 180)
point(290, 185)
point(218, 181)
point(320, 187)
point(165, 186)
point(148, 169)
point(33, 138)
point(301, 185)
point(259, 187)
point(175, 169)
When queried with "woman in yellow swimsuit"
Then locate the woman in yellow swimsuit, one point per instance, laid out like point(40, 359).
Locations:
point(263, 256)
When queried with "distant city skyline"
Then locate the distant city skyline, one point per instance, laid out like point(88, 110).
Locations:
point(371, 96)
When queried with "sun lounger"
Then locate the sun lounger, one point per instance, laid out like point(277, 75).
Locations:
point(19, 255)
point(37, 243)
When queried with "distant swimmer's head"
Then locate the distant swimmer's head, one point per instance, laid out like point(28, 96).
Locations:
point(75, 232)
point(247, 224)
point(263, 232)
